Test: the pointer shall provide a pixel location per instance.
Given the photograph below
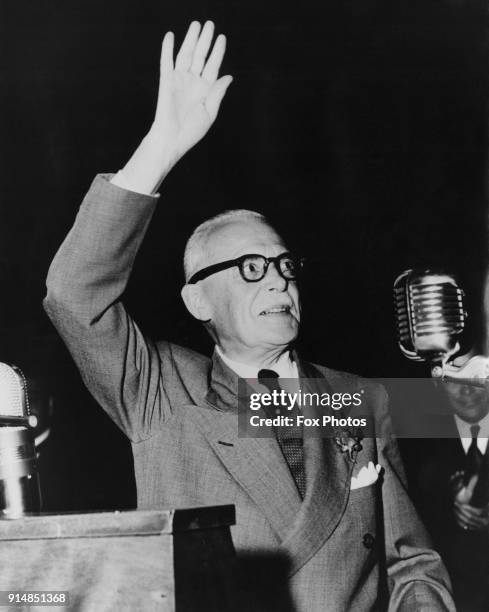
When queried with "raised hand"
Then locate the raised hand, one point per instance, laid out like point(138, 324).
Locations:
point(189, 97)
point(190, 92)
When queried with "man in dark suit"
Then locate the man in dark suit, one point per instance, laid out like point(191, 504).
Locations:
point(347, 536)
point(449, 482)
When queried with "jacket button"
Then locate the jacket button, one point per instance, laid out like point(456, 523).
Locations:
point(368, 540)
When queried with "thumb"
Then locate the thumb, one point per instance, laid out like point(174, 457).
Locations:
point(216, 94)
point(464, 495)
point(471, 485)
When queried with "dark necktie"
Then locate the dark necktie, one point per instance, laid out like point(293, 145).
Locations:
point(289, 438)
point(473, 460)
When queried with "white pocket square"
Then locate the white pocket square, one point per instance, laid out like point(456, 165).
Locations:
point(366, 476)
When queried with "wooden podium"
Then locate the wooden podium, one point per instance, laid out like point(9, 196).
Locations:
point(165, 560)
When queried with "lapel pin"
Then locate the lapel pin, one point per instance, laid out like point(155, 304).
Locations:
point(350, 444)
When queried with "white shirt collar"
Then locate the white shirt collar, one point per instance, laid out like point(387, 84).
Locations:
point(284, 366)
point(466, 437)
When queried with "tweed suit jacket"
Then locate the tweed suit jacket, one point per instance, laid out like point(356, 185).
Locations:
point(340, 549)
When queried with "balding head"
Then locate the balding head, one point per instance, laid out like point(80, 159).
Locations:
point(247, 319)
point(200, 247)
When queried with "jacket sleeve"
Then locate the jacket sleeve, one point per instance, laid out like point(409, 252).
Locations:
point(417, 578)
point(123, 370)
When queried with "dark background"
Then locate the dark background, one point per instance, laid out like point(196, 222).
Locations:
point(358, 127)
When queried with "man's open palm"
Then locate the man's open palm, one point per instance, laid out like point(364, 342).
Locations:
point(189, 93)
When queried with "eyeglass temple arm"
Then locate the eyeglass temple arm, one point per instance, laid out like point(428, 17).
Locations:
point(205, 272)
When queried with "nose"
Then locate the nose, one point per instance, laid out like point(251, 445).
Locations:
point(273, 280)
point(467, 391)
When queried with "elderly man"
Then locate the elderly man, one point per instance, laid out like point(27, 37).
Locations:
point(346, 546)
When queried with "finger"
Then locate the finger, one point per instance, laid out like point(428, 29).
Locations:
point(471, 510)
point(202, 48)
point(478, 512)
point(166, 61)
point(460, 519)
point(184, 57)
point(461, 522)
point(467, 511)
point(467, 521)
point(460, 514)
point(216, 94)
point(475, 525)
point(211, 69)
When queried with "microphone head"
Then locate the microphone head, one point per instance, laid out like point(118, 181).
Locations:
point(19, 481)
point(430, 314)
point(13, 392)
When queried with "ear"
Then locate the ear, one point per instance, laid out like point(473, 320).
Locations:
point(196, 303)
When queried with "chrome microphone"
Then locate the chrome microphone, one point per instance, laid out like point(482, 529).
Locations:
point(430, 316)
point(19, 480)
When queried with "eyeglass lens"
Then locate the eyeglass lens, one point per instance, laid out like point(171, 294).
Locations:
point(254, 268)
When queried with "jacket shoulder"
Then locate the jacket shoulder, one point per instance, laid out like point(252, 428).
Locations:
point(189, 368)
point(193, 361)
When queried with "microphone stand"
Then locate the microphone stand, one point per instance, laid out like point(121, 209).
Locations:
point(20, 421)
point(475, 372)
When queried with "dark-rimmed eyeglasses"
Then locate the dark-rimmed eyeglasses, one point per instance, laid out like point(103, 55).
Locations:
point(254, 267)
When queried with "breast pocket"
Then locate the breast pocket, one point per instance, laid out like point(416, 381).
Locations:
point(364, 506)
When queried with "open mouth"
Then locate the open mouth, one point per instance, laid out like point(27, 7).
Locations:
point(285, 309)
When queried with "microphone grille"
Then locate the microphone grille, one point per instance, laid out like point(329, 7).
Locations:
point(430, 314)
point(13, 395)
point(404, 316)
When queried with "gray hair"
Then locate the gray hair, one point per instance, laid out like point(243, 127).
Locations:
point(197, 244)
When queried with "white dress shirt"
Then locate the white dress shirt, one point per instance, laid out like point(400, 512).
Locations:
point(284, 366)
point(119, 180)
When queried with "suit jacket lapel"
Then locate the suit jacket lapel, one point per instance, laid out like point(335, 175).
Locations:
point(328, 474)
point(256, 463)
point(458, 454)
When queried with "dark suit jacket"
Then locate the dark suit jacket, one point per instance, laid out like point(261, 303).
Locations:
point(430, 464)
point(179, 410)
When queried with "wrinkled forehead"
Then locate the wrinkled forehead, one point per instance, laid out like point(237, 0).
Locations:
point(242, 236)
